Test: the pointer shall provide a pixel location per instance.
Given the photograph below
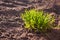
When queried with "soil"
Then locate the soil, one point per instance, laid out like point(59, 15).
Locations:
point(12, 26)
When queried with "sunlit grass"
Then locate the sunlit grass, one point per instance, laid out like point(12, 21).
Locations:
point(37, 20)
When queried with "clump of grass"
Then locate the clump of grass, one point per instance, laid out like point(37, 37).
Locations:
point(37, 20)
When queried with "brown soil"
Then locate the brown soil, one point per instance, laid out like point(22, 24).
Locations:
point(12, 26)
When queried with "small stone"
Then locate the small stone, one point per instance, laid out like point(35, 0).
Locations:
point(53, 14)
point(34, 38)
point(59, 23)
point(11, 20)
point(59, 17)
point(17, 18)
point(23, 35)
point(42, 38)
point(15, 36)
point(30, 34)
point(19, 29)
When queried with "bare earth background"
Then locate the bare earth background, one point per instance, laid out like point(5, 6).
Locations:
point(12, 26)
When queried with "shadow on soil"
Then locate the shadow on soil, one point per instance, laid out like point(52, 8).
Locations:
point(53, 35)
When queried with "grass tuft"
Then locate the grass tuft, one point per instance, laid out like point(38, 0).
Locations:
point(37, 20)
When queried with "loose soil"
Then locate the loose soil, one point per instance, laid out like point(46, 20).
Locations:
point(12, 26)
